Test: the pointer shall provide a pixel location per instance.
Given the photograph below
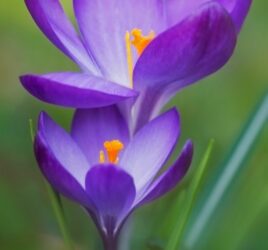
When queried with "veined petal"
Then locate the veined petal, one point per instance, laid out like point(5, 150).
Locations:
point(75, 90)
point(51, 19)
point(61, 160)
point(171, 177)
point(112, 192)
point(92, 127)
point(176, 10)
point(148, 150)
point(238, 10)
point(196, 47)
point(103, 24)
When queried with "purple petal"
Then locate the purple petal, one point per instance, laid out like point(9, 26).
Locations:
point(51, 19)
point(150, 147)
point(198, 46)
point(238, 9)
point(60, 160)
point(112, 192)
point(75, 90)
point(103, 25)
point(179, 9)
point(92, 127)
point(170, 178)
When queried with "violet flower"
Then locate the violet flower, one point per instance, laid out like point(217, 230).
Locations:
point(187, 40)
point(88, 167)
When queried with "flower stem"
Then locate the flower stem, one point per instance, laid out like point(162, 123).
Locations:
point(111, 243)
point(110, 238)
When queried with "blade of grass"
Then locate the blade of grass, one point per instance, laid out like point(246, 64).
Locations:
point(56, 204)
point(250, 217)
point(191, 193)
point(57, 207)
point(31, 129)
point(227, 172)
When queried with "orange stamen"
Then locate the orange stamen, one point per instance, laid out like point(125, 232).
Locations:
point(102, 157)
point(113, 149)
point(140, 42)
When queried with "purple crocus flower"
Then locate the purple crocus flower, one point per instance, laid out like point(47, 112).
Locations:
point(184, 41)
point(105, 170)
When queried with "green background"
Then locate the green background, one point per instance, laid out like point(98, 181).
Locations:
point(216, 107)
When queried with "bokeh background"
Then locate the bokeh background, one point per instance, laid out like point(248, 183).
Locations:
point(217, 107)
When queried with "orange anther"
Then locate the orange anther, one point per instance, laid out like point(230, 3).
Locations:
point(113, 149)
point(140, 42)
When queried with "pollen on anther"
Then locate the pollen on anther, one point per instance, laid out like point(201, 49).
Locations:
point(140, 42)
point(113, 149)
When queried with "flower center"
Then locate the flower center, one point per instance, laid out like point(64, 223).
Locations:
point(140, 42)
point(113, 149)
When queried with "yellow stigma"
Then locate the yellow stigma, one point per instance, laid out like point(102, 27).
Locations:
point(102, 157)
point(140, 42)
point(113, 149)
point(129, 58)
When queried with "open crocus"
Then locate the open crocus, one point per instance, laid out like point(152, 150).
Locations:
point(151, 46)
point(107, 171)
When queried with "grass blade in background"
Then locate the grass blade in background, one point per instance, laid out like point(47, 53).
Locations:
point(232, 166)
point(191, 192)
point(56, 204)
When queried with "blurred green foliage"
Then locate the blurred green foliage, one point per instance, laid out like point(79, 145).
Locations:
point(216, 107)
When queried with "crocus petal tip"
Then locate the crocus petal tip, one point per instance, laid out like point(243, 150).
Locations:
point(174, 113)
point(43, 117)
point(189, 145)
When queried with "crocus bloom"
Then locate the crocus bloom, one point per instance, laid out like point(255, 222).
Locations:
point(105, 170)
point(183, 41)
